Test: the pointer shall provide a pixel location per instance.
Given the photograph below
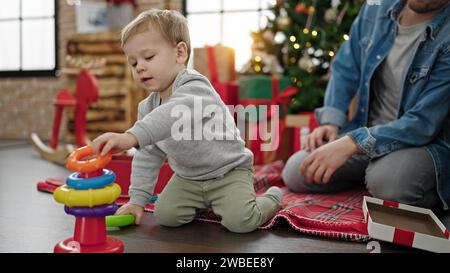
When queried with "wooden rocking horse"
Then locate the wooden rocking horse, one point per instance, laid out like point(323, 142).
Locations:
point(86, 93)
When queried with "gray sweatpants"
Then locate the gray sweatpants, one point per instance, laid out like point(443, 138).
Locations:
point(406, 176)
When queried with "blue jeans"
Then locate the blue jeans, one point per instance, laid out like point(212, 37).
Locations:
point(406, 176)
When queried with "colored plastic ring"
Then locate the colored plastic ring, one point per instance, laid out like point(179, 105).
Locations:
point(97, 211)
point(75, 164)
point(120, 220)
point(153, 199)
point(75, 181)
point(87, 198)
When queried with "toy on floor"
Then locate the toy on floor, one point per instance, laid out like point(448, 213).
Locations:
point(86, 93)
point(121, 166)
point(120, 220)
point(89, 195)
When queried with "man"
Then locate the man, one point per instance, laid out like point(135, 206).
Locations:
point(398, 61)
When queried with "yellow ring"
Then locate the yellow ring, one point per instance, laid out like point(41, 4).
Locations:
point(87, 198)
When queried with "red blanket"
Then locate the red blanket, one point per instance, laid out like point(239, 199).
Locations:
point(337, 215)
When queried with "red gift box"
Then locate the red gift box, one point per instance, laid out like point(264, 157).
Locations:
point(121, 166)
point(278, 98)
point(228, 91)
point(297, 123)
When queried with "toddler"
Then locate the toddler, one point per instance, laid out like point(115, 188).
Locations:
point(211, 168)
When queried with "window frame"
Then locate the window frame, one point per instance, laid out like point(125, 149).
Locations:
point(221, 12)
point(35, 73)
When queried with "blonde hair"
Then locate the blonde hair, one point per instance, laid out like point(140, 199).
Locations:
point(170, 23)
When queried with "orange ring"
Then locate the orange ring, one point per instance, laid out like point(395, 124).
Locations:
point(75, 164)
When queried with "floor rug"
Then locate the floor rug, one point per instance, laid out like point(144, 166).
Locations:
point(338, 215)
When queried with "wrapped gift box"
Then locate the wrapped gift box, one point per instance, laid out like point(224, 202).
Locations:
point(219, 58)
point(259, 86)
point(299, 122)
point(228, 91)
point(406, 225)
point(267, 91)
point(121, 166)
point(259, 90)
point(217, 63)
point(283, 140)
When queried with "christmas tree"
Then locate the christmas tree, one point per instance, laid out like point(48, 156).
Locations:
point(299, 42)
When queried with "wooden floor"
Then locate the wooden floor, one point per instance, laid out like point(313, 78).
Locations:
point(31, 221)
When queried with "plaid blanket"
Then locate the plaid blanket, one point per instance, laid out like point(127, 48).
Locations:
point(337, 215)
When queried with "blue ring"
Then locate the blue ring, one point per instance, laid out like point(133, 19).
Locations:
point(97, 211)
point(74, 180)
point(153, 199)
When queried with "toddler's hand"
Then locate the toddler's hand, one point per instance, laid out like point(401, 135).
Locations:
point(113, 142)
point(135, 210)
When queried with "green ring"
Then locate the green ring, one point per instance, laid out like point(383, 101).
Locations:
point(119, 220)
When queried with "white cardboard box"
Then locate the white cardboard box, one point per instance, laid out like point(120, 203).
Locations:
point(406, 225)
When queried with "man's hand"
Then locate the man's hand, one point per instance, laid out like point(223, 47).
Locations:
point(135, 210)
point(317, 137)
point(324, 161)
point(113, 142)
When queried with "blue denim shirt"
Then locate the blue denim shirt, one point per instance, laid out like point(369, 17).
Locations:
point(423, 116)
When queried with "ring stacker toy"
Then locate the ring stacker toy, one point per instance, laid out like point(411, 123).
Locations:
point(86, 198)
point(96, 164)
point(120, 220)
point(91, 212)
point(76, 181)
point(89, 195)
point(124, 220)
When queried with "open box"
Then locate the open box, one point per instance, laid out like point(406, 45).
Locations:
point(406, 225)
